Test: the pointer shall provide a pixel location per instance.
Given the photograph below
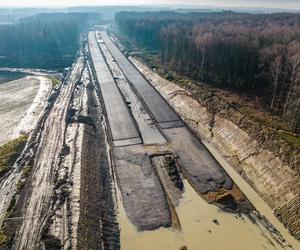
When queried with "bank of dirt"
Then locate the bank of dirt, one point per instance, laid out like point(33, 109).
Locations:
point(97, 226)
point(249, 142)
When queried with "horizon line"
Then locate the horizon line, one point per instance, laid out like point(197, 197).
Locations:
point(188, 6)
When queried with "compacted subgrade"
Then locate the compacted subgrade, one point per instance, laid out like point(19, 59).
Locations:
point(146, 125)
point(143, 197)
point(122, 127)
point(203, 172)
point(97, 227)
point(158, 107)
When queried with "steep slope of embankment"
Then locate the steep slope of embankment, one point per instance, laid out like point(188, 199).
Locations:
point(268, 162)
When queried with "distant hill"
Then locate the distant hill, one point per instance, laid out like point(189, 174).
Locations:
point(12, 15)
point(107, 12)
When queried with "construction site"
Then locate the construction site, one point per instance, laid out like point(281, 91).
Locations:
point(115, 160)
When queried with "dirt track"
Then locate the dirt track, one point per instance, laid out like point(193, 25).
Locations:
point(68, 199)
point(78, 170)
point(46, 165)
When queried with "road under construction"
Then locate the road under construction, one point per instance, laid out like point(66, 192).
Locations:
point(112, 165)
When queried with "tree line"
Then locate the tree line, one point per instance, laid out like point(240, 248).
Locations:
point(258, 54)
point(43, 40)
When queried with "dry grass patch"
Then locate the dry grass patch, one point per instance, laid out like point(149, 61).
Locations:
point(10, 152)
point(55, 81)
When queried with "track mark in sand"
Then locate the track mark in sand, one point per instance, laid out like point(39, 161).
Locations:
point(38, 200)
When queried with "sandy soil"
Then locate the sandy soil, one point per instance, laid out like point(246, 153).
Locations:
point(66, 216)
point(70, 194)
point(47, 162)
point(97, 225)
point(22, 102)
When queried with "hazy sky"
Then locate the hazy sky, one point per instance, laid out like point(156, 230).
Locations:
point(291, 4)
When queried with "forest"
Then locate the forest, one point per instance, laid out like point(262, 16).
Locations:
point(47, 40)
point(256, 54)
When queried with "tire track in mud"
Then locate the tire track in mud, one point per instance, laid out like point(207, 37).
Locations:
point(9, 184)
point(65, 138)
point(37, 202)
point(61, 229)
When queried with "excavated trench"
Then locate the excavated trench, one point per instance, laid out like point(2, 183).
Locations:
point(165, 217)
point(96, 194)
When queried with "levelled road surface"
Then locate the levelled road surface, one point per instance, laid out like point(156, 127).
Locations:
point(121, 124)
point(160, 109)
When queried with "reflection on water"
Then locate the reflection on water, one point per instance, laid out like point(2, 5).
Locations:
point(203, 226)
point(10, 76)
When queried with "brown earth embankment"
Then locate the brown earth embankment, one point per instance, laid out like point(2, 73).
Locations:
point(268, 163)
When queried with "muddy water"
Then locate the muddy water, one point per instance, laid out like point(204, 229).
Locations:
point(255, 199)
point(198, 231)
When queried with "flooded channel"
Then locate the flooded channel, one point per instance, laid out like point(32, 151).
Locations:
point(203, 226)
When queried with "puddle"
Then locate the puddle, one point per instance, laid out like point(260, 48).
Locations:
point(198, 230)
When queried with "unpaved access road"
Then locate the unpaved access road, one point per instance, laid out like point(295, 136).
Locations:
point(38, 200)
point(65, 199)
